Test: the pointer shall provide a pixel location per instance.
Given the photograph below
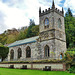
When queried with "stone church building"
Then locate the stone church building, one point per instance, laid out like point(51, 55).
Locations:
point(51, 42)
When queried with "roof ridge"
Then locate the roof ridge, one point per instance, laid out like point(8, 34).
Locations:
point(26, 38)
point(24, 41)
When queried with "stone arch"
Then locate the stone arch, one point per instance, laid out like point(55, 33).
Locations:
point(28, 52)
point(59, 23)
point(46, 51)
point(19, 51)
point(46, 23)
point(11, 54)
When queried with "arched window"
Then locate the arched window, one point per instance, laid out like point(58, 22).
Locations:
point(61, 55)
point(47, 51)
point(46, 23)
point(28, 52)
point(19, 53)
point(12, 54)
point(59, 23)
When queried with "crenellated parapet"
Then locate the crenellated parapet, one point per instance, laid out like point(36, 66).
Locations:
point(46, 11)
point(53, 9)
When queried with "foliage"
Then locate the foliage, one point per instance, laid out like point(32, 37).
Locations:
point(34, 61)
point(29, 32)
point(35, 30)
point(72, 69)
point(70, 29)
point(71, 51)
point(69, 55)
point(69, 13)
point(21, 35)
point(3, 52)
point(11, 38)
point(3, 38)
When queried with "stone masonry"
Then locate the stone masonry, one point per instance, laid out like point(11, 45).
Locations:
point(51, 35)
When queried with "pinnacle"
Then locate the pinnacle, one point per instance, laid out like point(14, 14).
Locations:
point(53, 4)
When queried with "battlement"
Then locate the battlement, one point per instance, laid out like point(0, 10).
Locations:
point(46, 11)
point(53, 9)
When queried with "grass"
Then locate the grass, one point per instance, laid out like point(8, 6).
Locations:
point(6, 71)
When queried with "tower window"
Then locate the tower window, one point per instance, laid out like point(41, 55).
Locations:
point(59, 23)
point(46, 23)
point(47, 51)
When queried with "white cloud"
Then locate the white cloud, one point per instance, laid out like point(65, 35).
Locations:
point(2, 25)
point(16, 13)
point(70, 4)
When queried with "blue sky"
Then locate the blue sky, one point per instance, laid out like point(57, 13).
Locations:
point(16, 13)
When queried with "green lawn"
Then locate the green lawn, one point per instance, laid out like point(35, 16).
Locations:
point(5, 71)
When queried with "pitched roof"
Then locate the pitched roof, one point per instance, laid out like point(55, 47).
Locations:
point(25, 41)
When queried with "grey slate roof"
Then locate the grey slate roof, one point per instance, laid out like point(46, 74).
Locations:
point(25, 41)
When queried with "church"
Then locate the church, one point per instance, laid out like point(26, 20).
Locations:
point(49, 44)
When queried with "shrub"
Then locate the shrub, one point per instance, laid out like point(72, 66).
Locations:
point(72, 69)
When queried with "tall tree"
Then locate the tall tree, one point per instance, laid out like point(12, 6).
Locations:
point(70, 29)
point(69, 13)
point(29, 32)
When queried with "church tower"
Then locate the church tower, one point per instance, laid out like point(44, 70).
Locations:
point(52, 33)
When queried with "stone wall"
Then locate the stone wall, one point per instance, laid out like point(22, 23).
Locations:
point(51, 44)
point(34, 53)
point(39, 66)
point(60, 47)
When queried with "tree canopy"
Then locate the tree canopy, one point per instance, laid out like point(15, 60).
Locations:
point(68, 13)
point(70, 29)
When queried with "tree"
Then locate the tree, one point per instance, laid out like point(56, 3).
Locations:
point(69, 13)
point(29, 31)
point(70, 29)
point(32, 22)
point(3, 52)
point(3, 38)
point(21, 35)
point(35, 30)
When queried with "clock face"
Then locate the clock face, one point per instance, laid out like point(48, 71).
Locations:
point(46, 22)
